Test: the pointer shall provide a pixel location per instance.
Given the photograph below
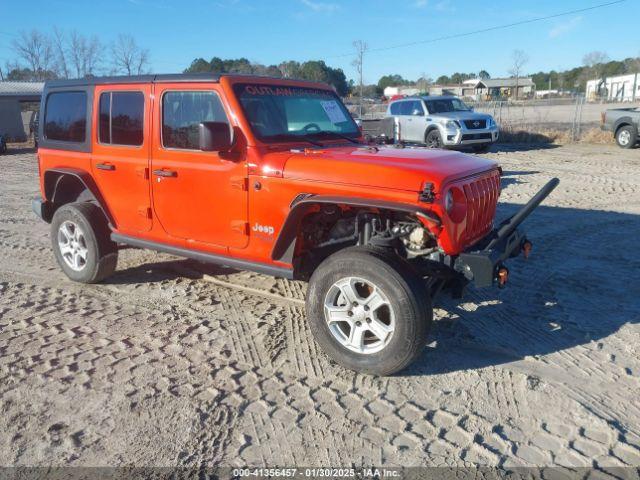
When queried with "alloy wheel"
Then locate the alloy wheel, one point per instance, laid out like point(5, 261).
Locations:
point(72, 245)
point(359, 315)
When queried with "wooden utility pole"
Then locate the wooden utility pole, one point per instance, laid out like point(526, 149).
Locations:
point(361, 47)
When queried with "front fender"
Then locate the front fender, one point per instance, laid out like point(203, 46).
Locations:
point(285, 244)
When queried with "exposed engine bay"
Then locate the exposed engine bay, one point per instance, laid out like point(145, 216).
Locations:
point(333, 226)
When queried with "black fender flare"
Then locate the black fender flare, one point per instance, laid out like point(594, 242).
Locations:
point(285, 243)
point(54, 177)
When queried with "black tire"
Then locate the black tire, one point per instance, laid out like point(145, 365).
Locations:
point(101, 255)
point(481, 147)
point(433, 139)
point(405, 291)
point(626, 137)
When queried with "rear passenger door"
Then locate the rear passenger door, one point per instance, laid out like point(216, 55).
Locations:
point(414, 131)
point(120, 158)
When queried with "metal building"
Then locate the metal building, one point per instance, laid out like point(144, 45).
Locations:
point(19, 103)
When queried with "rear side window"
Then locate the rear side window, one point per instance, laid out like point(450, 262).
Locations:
point(121, 118)
point(406, 108)
point(66, 117)
point(182, 113)
point(395, 108)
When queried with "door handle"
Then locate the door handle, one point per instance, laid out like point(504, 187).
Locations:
point(105, 166)
point(165, 173)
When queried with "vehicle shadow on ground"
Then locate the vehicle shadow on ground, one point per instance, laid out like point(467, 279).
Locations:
point(510, 177)
point(541, 144)
point(18, 151)
point(579, 286)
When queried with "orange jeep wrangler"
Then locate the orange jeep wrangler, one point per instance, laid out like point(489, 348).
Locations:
point(272, 175)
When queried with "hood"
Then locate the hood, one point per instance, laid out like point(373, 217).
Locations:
point(394, 168)
point(462, 115)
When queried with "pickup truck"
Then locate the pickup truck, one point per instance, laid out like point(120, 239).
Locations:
point(624, 123)
point(272, 175)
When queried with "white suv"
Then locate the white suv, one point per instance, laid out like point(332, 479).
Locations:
point(440, 122)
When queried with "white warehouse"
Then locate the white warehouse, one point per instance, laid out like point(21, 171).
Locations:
point(621, 88)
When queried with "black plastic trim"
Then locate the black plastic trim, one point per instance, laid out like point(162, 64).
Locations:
point(85, 178)
point(205, 257)
point(44, 142)
point(284, 246)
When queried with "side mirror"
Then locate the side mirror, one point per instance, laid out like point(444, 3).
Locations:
point(417, 113)
point(215, 136)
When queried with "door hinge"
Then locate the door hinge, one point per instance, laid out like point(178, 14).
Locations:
point(144, 212)
point(240, 183)
point(143, 172)
point(241, 227)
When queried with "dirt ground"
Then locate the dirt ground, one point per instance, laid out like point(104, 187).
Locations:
point(164, 366)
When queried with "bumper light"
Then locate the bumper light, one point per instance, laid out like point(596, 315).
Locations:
point(502, 276)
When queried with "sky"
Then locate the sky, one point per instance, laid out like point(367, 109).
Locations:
point(270, 32)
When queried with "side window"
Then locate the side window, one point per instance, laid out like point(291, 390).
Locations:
point(121, 118)
point(405, 108)
point(182, 113)
point(395, 108)
point(416, 108)
point(66, 117)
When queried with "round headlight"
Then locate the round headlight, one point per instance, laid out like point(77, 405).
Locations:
point(448, 201)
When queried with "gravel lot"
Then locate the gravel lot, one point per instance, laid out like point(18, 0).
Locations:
point(165, 366)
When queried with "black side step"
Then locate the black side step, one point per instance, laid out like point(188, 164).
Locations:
point(205, 257)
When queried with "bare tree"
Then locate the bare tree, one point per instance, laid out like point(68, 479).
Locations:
point(35, 49)
point(128, 57)
point(84, 53)
point(595, 61)
point(519, 59)
point(60, 52)
point(361, 48)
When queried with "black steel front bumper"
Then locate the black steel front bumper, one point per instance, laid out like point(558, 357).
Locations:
point(481, 263)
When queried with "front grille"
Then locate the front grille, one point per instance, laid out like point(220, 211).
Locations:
point(482, 197)
point(475, 124)
point(476, 136)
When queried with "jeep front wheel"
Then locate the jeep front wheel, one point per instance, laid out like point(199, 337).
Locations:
point(368, 310)
point(81, 243)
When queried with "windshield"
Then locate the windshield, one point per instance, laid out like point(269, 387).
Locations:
point(446, 105)
point(279, 113)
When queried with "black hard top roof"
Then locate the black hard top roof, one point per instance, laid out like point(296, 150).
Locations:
point(155, 78)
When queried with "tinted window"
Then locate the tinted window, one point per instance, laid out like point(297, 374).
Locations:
point(66, 117)
point(395, 108)
point(122, 118)
point(406, 108)
point(182, 113)
point(416, 108)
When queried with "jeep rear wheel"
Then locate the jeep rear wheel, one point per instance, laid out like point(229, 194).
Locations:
point(368, 310)
point(81, 243)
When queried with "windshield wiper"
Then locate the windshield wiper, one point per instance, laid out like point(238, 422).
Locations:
point(335, 134)
point(290, 136)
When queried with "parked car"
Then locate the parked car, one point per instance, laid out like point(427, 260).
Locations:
point(3, 144)
point(271, 175)
point(441, 122)
point(624, 123)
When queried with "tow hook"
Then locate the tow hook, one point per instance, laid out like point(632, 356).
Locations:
point(502, 276)
point(526, 248)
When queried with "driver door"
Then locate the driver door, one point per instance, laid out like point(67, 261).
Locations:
point(197, 196)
